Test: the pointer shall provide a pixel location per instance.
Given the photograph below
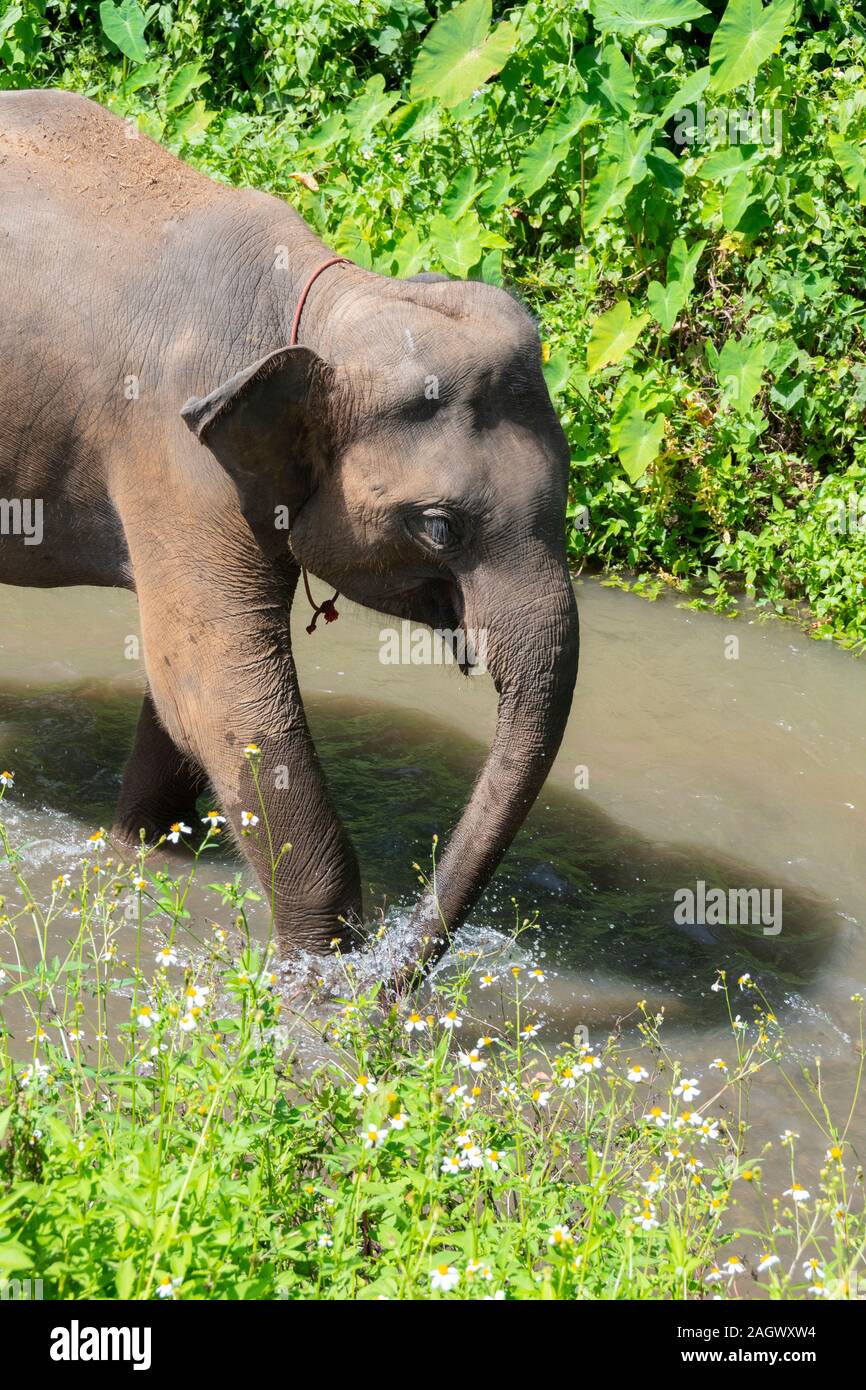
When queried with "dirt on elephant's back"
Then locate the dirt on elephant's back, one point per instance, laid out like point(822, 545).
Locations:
point(77, 150)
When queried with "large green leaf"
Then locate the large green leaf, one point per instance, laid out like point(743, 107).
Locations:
point(193, 121)
point(612, 335)
point(636, 440)
point(460, 53)
point(631, 16)
point(615, 80)
point(606, 192)
point(370, 107)
point(739, 368)
point(552, 145)
point(668, 301)
point(459, 245)
point(686, 95)
point(183, 84)
point(746, 37)
point(125, 24)
point(852, 162)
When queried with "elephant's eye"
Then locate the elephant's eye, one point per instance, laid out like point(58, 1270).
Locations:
point(434, 528)
point(437, 529)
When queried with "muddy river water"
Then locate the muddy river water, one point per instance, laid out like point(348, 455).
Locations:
point(688, 760)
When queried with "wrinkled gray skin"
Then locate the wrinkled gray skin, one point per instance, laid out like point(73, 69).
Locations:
point(135, 289)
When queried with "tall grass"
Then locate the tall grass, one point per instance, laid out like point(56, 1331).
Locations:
point(173, 1126)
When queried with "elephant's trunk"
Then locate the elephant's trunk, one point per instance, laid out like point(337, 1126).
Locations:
point(532, 653)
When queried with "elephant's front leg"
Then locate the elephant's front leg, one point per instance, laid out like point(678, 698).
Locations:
point(160, 786)
point(217, 650)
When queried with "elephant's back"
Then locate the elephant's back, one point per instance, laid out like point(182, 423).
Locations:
point(61, 149)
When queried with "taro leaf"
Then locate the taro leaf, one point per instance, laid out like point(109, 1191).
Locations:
point(459, 245)
point(741, 206)
point(852, 162)
point(613, 334)
point(667, 301)
point(746, 37)
point(729, 162)
point(622, 166)
point(124, 25)
point(631, 16)
point(616, 82)
point(556, 370)
point(370, 107)
point(636, 440)
point(606, 192)
point(460, 53)
point(183, 84)
point(192, 121)
point(627, 149)
point(685, 96)
point(552, 145)
point(462, 194)
point(739, 368)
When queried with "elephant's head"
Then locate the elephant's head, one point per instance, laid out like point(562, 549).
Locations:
point(433, 487)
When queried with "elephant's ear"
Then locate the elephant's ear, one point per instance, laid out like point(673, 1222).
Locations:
point(255, 421)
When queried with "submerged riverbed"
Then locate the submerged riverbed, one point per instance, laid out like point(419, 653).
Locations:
point(686, 762)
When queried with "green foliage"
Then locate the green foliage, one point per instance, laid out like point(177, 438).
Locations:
point(170, 1129)
point(703, 165)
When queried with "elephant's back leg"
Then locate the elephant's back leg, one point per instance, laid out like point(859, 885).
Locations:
point(160, 784)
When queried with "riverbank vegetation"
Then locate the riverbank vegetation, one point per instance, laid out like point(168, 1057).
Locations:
point(677, 189)
point(172, 1125)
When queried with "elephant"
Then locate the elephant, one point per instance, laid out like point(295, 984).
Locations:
point(204, 403)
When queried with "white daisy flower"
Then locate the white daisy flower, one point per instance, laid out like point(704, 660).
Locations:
point(797, 1192)
point(688, 1089)
point(559, 1236)
point(365, 1085)
point(248, 819)
point(415, 1024)
point(374, 1137)
point(637, 1073)
point(166, 955)
point(444, 1278)
point(471, 1060)
point(175, 831)
point(657, 1116)
point(647, 1220)
point(146, 1017)
point(451, 1019)
point(766, 1262)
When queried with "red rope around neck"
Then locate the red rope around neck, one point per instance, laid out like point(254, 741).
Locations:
point(326, 609)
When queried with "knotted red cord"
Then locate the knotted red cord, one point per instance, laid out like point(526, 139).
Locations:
point(326, 609)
